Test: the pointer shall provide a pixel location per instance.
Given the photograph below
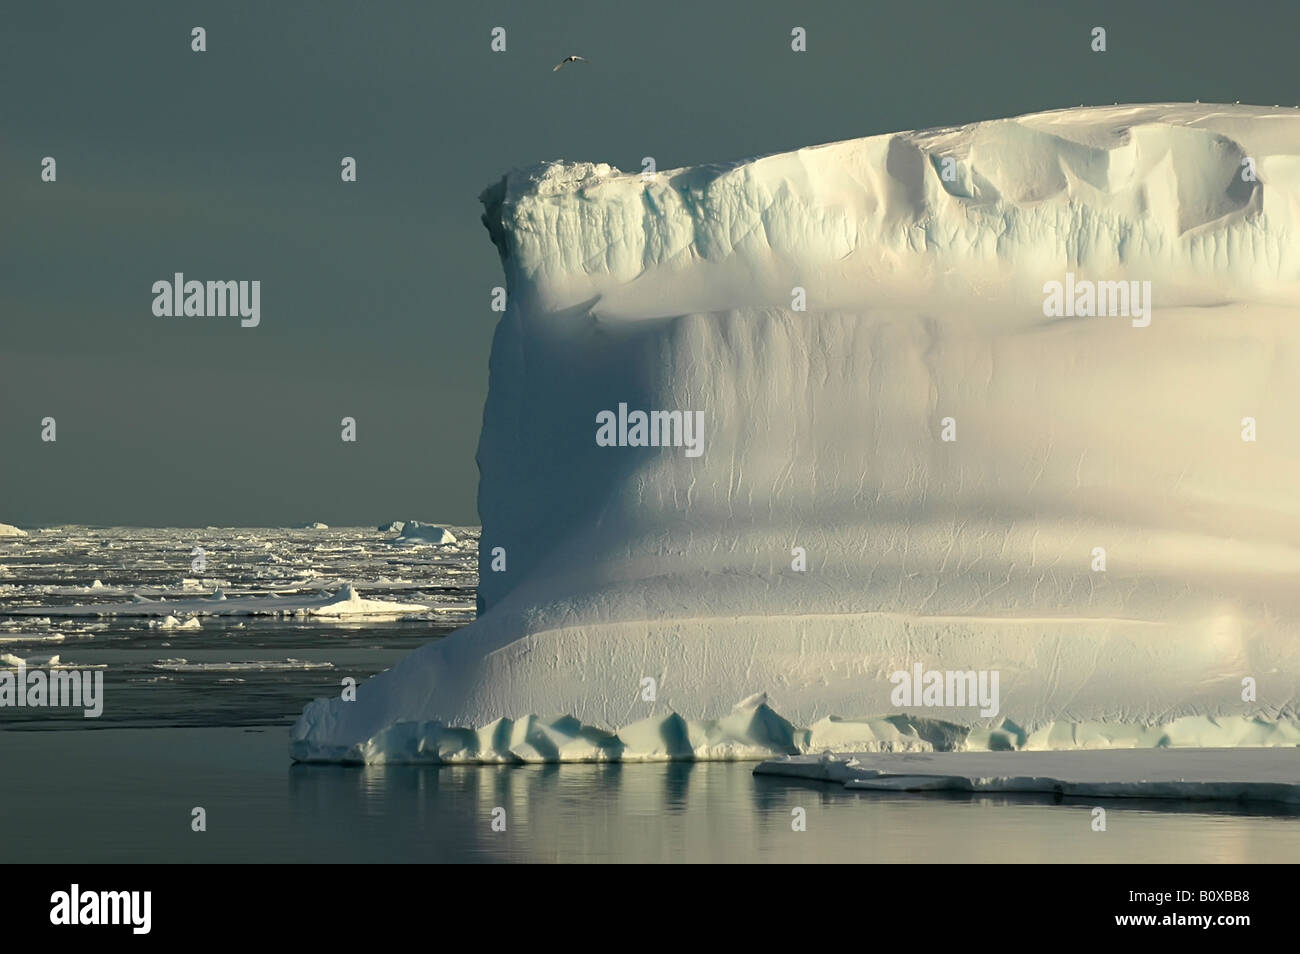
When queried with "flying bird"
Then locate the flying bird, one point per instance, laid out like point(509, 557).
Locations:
point(569, 59)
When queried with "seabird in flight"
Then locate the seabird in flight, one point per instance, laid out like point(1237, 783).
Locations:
point(569, 59)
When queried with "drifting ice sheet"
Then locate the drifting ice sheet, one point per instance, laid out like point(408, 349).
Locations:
point(1236, 774)
point(346, 603)
point(922, 258)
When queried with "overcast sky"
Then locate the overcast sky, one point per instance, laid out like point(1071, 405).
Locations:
point(375, 294)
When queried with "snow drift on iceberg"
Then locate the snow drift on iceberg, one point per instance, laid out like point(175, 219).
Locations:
point(913, 454)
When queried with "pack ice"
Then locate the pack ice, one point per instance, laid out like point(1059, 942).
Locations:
point(914, 455)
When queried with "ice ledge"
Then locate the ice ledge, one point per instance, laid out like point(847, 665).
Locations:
point(1271, 775)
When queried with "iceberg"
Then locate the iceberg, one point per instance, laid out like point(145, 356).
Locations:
point(10, 531)
point(349, 603)
point(414, 533)
point(172, 622)
point(1011, 400)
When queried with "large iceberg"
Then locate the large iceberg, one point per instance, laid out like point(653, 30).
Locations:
point(764, 439)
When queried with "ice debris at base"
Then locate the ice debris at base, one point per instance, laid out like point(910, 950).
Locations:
point(1229, 774)
point(750, 731)
point(754, 731)
point(909, 455)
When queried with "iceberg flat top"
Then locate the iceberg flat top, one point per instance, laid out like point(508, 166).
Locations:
point(1152, 190)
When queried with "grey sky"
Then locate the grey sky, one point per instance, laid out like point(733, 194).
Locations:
point(375, 295)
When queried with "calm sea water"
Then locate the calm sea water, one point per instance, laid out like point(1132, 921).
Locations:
point(198, 718)
point(127, 795)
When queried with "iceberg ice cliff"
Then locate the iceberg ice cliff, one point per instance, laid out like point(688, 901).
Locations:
point(911, 458)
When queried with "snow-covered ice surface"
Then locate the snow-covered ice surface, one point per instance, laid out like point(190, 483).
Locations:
point(1192, 774)
point(923, 258)
point(266, 620)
